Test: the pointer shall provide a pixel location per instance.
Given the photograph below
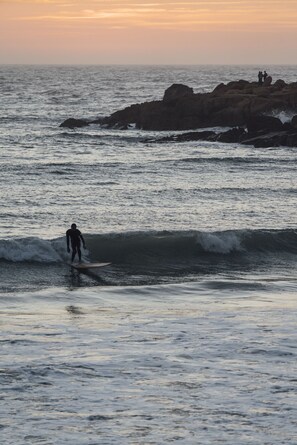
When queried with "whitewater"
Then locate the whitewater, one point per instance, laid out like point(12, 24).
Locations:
point(189, 336)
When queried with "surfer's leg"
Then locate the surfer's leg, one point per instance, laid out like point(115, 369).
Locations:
point(73, 253)
point(79, 253)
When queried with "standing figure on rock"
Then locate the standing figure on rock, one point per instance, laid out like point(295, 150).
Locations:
point(260, 78)
point(265, 75)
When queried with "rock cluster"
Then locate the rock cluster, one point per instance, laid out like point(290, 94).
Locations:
point(286, 136)
point(240, 104)
point(74, 123)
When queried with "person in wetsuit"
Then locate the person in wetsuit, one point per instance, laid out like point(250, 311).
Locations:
point(74, 235)
point(260, 78)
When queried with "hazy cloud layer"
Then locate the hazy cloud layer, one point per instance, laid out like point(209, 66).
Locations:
point(268, 24)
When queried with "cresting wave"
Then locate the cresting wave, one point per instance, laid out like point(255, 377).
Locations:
point(147, 247)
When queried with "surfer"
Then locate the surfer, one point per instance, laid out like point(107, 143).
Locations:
point(74, 235)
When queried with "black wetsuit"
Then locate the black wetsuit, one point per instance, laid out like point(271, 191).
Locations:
point(75, 236)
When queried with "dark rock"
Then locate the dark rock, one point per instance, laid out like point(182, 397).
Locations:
point(73, 123)
point(233, 135)
point(268, 81)
point(262, 122)
point(294, 121)
point(291, 140)
point(176, 91)
point(287, 126)
point(262, 139)
point(219, 88)
point(190, 136)
point(231, 87)
point(265, 140)
point(279, 84)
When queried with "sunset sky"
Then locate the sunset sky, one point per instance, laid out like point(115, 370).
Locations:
point(148, 31)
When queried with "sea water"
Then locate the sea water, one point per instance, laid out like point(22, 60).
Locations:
point(190, 335)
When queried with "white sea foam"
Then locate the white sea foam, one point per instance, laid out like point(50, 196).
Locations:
point(29, 249)
point(283, 116)
point(219, 243)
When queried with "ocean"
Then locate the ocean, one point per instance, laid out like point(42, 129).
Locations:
point(189, 336)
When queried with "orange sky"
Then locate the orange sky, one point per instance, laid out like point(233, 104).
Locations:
point(151, 31)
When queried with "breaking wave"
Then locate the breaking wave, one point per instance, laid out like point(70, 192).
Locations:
point(165, 246)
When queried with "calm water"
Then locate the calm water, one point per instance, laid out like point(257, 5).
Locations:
point(190, 335)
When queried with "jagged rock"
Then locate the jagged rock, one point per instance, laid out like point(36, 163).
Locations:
point(73, 123)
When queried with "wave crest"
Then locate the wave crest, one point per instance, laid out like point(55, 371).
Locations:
point(29, 249)
point(168, 246)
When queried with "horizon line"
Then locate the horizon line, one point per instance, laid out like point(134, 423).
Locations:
point(143, 64)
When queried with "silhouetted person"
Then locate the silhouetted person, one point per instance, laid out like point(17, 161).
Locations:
point(74, 235)
point(260, 78)
point(265, 75)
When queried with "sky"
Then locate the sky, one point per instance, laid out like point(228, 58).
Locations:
point(148, 31)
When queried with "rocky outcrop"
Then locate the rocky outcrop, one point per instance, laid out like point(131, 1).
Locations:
point(274, 135)
point(74, 123)
point(176, 92)
point(244, 105)
point(233, 104)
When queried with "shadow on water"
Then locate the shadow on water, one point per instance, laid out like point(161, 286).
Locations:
point(30, 276)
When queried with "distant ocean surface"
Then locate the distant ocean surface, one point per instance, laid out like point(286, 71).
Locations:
point(190, 335)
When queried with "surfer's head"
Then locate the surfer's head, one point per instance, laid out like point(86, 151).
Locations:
point(73, 226)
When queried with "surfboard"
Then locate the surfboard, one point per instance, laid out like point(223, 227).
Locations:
point(84, 266)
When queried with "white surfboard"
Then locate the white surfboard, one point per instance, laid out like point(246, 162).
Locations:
point(84, 266)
